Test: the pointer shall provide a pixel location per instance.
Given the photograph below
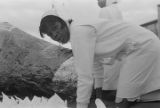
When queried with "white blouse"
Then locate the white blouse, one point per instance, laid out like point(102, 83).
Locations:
point(99, 38)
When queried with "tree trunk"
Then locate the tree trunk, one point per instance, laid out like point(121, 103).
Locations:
point(28, 64)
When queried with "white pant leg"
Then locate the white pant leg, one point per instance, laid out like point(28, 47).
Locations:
point(98, 73)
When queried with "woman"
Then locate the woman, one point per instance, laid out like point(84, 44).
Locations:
point(109, 11)
point(95, 39)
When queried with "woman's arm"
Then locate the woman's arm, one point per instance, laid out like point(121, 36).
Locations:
point(83, 40)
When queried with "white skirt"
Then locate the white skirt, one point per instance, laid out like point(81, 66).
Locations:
point(140, 73)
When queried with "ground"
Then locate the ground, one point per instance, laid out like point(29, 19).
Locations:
point(108, 99)
point(136, 105)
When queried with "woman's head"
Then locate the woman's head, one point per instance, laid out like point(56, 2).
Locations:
point(101, 3)
point(54, 27)
point(104, 3)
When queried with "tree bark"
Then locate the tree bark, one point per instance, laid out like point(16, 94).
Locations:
point(28, 64)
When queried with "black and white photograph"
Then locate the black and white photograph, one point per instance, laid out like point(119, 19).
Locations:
point(79, 53)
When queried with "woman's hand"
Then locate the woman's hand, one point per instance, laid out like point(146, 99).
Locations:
point(102, 3)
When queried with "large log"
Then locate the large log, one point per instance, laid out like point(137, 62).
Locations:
point(65, 80)
point(28, 65)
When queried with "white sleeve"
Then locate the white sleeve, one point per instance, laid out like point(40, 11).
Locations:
point(83, 40)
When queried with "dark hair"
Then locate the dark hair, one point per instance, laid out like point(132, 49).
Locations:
point(101, 3)
point(55, 27)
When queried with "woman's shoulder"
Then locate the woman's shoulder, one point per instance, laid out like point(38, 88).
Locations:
point(83, 29)
point(82, 25)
